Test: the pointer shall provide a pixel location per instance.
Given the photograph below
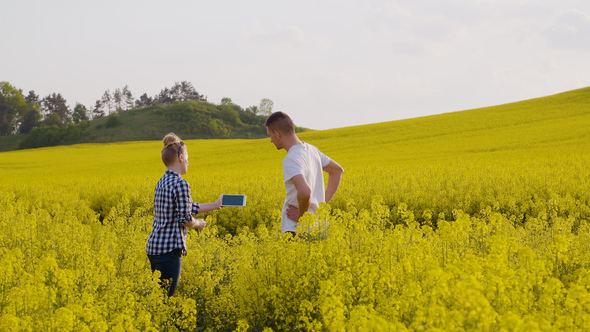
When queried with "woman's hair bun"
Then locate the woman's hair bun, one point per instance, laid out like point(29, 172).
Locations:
point(170, 139)
point(168, 155)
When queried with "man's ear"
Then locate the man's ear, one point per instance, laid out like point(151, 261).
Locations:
point(278, 133)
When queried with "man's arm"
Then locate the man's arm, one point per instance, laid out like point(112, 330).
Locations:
point(335, 172)
point(303, 196)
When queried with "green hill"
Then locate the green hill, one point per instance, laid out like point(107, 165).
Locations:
point(190, 119)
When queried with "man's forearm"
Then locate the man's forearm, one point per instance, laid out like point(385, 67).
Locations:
point(333, 184)
point(335, 172)
point(303, 193)
point(303, 201)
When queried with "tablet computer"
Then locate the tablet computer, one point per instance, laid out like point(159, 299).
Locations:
point(233, 200)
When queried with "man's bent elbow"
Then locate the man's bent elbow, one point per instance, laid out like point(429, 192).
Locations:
point(304, 196)
point(336, 170)
point(337, 173)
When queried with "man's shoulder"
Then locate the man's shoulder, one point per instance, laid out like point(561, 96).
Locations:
point(313, 151)
point(304, 151)
point(296, 152)
point(301, 149)
point(289, 158)
point(310, 147)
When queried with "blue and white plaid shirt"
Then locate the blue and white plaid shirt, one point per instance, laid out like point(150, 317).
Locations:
point(173, 207)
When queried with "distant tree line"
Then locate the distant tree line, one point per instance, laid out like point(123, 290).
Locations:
point(180, 91)
point(122, 99)
point(20, 114)
point(51, 121)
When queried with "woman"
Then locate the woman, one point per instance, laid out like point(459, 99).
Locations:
point(173, 213)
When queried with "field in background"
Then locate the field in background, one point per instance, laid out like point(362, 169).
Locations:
point(469, 220)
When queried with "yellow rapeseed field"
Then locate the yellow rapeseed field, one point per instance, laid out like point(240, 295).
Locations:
point(474, 220)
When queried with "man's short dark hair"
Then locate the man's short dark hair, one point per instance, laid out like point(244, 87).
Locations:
point(281, 122)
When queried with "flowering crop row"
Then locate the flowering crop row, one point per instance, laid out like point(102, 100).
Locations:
point(62, 269)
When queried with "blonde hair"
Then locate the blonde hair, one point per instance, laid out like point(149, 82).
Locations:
point(172, 148)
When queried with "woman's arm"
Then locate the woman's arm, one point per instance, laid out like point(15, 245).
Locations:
point(196, 223)
point(202, 208)
point(206, 207)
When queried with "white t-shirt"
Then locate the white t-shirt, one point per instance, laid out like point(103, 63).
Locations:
point(307, 160)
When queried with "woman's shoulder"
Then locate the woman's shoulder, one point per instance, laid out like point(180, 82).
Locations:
point(171, 179)
point(180, 183)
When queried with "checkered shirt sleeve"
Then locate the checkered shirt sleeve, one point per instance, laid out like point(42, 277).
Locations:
point(173, 207)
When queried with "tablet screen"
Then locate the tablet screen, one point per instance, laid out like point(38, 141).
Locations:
point(233, 200)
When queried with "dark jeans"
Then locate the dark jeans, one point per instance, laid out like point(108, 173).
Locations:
point(169, 266)
point(293, 235)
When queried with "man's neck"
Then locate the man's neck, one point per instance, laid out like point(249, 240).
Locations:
point(291, 141)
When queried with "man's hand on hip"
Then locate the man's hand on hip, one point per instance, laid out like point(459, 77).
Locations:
point(293, 213)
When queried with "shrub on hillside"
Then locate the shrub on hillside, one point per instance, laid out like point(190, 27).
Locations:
point(42, 136)
point(113, 120)
point(54, 135)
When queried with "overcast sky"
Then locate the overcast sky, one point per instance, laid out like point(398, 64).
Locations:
point(327, 63)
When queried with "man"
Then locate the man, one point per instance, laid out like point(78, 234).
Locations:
point(303, 169)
